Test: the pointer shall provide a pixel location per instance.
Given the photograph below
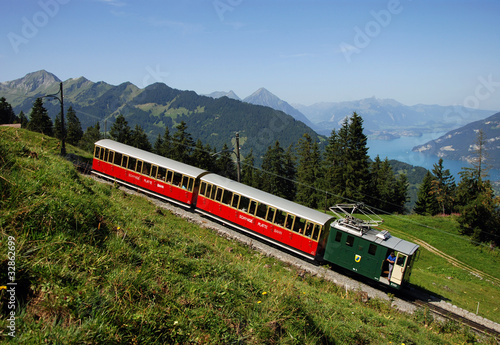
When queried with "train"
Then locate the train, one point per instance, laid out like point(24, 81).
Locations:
point(342, 241)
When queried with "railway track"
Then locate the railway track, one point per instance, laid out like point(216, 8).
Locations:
point(415, 301)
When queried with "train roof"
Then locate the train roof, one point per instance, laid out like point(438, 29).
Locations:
point(267, 198)
point(151, 158)
point(382, 238)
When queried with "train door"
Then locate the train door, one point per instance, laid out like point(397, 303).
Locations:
point(399, 268)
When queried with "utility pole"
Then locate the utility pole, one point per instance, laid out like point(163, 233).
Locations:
point(238, 168)
point(63, 132)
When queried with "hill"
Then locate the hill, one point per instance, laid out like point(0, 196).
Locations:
point(96, 265)
point(388, 118)
point(461, 143)
point(213, 121)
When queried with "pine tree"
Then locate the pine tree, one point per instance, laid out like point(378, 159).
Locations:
point(426, 201)
point(290, 190)
point(57, 127)
point(39, 119)
point(23, 120)
point(400, 197)
point(334, 163)
point(158, 145)
point(120, 130)
point(273, 166)
point(443, 187)
point(139, 139)
point(201, 156)
point(248, 171)
point(224, 164)
point(163, 147)
point(74, 133)
point(7, 115)
point(308, 172)
point(357, 161)
point(182, 144)
point(91, 135)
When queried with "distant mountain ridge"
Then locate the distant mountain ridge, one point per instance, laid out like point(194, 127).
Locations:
point(213, 121)
point(389, 119)
point(460, 144)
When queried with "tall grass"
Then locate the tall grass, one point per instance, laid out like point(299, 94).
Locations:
point(96, 265)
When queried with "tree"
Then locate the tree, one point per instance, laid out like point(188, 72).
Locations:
point(7, 115)
point(139, 139)
point(400, 194)
point(163, 145)
point(334, 163)
point(426, 201)
point(224, 164)
point(120, 130)
point(91, 135)
point(273, 166)
point(290, 174)
point(74, 133)
point(23, 120)
point(39, 119)
point(57, 127)
point(443, 187)
point(201, 156)
point(357, 160)
point(308, 172)
point(248, 172)
point(182, 144)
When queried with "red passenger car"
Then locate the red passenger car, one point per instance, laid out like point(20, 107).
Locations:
point(150, 173)
point(292, 226)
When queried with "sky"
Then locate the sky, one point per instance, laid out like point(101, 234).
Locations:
point(444, 52)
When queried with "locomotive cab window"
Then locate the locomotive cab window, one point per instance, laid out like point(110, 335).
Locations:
point(338, 236)
point(401, 259)
point(350, 241)
point(372, 249)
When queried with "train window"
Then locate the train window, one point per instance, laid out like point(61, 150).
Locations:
point(317, 232)
point(236, 200)
point(289, 221)
point(203, 188)
point(227, 197)
point(350, 241)
point(146, 168)
point(111, 156)
point(139, 166)
point(169, 176)
point(338, 236)
point(102, 153)
point(218, 196)
point(280, 218)
point(154, 170)
point(118, 158)
point(177, 179)
point(270, 214)
point(96, 152)
point(309, 229)
point(261, 210)
point(372, 249)
point(125, 161)
point(299, 225)
point(162, 173)
point(244, 202)
point(253, 206)
point(212, 193)
point(185, 182)
point(401, 260)
point(190, 184)
point(131, 163)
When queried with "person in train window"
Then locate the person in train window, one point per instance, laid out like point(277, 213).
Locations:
point(391, 259)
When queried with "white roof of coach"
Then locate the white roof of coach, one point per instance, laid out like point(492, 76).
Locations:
point(151, 158)
point(267, 198)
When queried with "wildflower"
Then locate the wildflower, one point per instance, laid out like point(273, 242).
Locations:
point(264, 293)
point(176, 323)
point(259, 302)
point(3, 287)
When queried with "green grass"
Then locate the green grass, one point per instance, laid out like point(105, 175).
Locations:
point(96, 265)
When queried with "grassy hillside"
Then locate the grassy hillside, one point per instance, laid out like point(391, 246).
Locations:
point(96, 265)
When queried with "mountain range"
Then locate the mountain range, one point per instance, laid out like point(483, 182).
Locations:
point(212, 120)
point(462, 143)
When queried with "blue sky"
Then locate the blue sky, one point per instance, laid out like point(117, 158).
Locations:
point(309, 51)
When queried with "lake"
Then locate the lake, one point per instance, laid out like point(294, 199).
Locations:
point(400, 149)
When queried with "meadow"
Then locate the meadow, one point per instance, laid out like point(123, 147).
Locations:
point(96, 265)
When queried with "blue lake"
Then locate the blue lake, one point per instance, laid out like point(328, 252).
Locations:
point(400, 149)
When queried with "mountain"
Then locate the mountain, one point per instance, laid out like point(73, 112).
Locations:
point(460, 144)
point(266, 98)
point(213, 121)
point(389, 119)
point(219, 94)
